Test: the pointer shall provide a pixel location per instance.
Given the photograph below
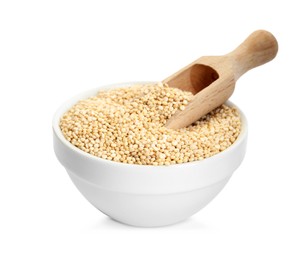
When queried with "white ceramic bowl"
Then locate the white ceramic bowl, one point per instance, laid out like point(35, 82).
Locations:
point(146, 196)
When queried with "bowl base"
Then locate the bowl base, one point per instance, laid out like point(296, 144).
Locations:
point(142, 210)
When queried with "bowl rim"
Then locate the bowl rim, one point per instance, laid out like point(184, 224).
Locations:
point(91, 92)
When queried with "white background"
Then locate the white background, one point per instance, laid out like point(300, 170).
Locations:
point(52, 50)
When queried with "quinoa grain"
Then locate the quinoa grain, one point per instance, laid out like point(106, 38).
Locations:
point(128, 125)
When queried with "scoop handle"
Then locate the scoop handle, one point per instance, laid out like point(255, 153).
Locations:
point(260, 47)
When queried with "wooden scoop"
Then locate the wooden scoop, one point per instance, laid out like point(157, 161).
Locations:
point(212, 79)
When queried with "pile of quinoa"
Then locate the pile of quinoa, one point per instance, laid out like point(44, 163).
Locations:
point(128, 125)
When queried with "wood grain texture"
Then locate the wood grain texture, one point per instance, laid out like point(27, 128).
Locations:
point(212, 79)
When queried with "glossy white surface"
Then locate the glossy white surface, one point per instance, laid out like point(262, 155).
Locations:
point(146, 195)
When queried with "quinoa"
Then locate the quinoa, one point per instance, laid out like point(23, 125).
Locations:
point(128, 125)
